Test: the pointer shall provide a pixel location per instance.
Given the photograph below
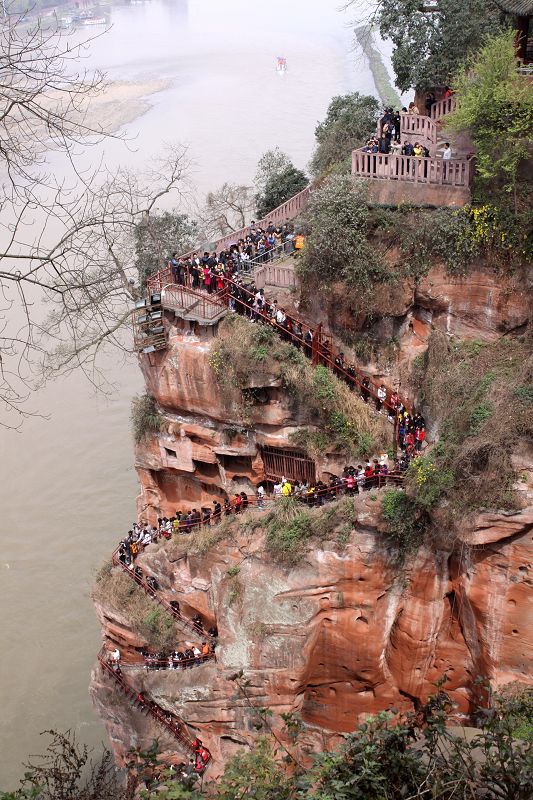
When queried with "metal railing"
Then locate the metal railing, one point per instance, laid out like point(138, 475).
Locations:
point(193, 301)
point(169, 722)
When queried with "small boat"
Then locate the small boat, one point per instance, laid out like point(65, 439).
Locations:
point(282, 64)
point(94, 21)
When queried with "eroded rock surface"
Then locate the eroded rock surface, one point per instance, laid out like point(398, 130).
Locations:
point(346, 633)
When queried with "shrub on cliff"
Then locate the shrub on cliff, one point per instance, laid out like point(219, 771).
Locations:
point(117, 590)
point(470, 388)
point(337, 247)
point(350, 120)
point(340, 420)
point(495, 106)
point(145, 418)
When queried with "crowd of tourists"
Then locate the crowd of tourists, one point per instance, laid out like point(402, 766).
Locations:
point(208, 270)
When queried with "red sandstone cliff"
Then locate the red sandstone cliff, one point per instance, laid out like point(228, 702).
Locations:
point(346, 633)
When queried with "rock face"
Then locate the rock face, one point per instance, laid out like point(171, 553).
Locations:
point(205, 451)
point(482, 306)
point(346, 633)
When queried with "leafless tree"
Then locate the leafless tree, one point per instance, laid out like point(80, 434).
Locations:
point(228, 208)
point(66, 224)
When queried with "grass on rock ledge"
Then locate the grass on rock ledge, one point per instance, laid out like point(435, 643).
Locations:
point(482, 395)
point(246, 355)
point(147, 619)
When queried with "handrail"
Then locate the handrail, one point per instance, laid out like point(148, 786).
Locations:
point(178, 729)
point(443, 107)
point(415, 169)
point(148, 663)
point(320, 349)
point(418, 125)
point(286, 211)
point(161, 600)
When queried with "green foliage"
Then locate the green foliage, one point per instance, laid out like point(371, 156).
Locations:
point(339, 421)
point(495, 105)
point(159, 628)
point(478, 391)
point(389, 756)
point(145, 418)
point(349, 121)
point(290, 528)
point(337, 248)
point(405, 523)
point(456, 237)
point(524, 394)
point(256, 775)
point(428, 44)
point(159, 235)
point(277, 180)
point(233, 571)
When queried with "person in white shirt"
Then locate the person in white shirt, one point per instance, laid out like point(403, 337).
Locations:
point(446, 155)
point(260, 493)
point(277, 489)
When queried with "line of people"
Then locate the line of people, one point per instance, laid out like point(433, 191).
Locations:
point(207, 270)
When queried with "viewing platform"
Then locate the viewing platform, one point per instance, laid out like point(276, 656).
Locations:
point(395, 179)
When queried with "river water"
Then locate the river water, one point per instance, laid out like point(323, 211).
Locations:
point(67, 484)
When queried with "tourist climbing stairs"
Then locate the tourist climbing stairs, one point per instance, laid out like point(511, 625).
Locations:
point(169, 722)
point(182, 620)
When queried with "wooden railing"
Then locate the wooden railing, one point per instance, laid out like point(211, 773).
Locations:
point(422, 128)
point(443, 107)
point(433, 171)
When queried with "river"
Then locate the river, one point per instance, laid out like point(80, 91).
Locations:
point(67, 484)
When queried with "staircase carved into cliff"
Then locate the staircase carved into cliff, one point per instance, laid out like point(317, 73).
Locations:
point(169, 722)
point(177, 298)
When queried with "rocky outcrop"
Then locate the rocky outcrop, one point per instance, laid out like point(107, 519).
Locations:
point(483, 305)
point(205, 450)
point(344, 634)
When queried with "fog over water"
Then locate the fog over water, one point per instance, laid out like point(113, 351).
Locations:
point(67, 484)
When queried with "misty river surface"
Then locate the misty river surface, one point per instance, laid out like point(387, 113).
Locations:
point(67, 483)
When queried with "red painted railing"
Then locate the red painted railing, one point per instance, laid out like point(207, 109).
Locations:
point(321, 350)
point(170, 722)
point(188, 623)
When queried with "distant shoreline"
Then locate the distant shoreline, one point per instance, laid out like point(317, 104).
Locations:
point(122, 102)
point(382, 81)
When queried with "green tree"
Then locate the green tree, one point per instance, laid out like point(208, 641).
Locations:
point(336, 248)
point(350, 120)
point(277, 180)
point(157, 236)
point(496, 107)
point(431, 39)
point(257, 775)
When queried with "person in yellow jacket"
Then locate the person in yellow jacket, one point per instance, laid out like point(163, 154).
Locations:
point(299, 241)
point(286, 489)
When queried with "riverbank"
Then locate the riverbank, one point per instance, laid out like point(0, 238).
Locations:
point(384, 87)
point(122, 102)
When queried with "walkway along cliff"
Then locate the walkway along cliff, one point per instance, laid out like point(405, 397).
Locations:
point(346, 629)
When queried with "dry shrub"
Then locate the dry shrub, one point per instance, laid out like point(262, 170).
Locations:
point(119, 591)
point(243, 353)
point(481, 396)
